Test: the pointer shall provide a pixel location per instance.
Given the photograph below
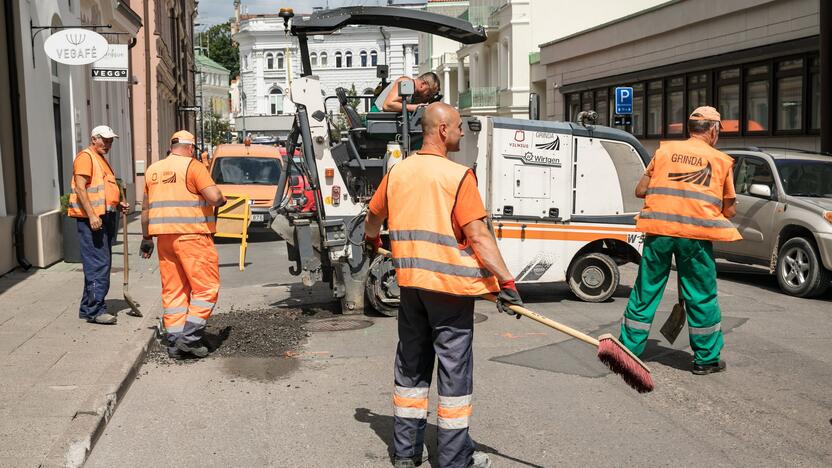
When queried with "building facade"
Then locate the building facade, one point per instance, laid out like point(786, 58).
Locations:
point(213, 94)
point(269, 59)
point(46, 114)
point(499, 74)
point(163, 65)
point(756, 61)
point(438, 54)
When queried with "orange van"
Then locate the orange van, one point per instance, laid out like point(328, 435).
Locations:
point(251, 170)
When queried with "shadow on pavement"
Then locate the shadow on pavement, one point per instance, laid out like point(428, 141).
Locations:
point(10, 279)
point(558, 292)
point(382, 425)
point(213, 341)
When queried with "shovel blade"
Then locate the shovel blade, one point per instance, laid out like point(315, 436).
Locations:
point(674, 324)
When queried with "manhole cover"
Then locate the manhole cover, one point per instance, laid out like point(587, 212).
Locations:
point(337, 324)
point(478, 317)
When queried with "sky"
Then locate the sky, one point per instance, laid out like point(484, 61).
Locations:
point(219, 11)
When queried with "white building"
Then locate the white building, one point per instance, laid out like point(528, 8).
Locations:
point(212, 85)
point(438, 54)
point(50, 122)
point(495, 77)
point(348, 58)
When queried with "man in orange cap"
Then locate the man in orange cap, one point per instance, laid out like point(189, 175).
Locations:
point(179, 196)
point(689, 195)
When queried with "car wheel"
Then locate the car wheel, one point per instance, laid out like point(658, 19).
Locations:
point(593, 277)
point(800, 272)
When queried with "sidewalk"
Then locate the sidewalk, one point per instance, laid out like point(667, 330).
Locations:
point(61, 377)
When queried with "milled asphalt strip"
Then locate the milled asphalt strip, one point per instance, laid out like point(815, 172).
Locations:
point(89, 422)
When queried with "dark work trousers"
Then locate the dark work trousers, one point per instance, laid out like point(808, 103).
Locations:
point(97, 258)
point(434, 325)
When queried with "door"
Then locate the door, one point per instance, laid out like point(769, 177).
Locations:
point(755, 214)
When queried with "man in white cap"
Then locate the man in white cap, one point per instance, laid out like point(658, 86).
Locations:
point(95, 202)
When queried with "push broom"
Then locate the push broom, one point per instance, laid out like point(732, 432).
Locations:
point(134, 306)
point(611, 352)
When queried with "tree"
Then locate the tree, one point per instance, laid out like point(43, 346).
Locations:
point(217, 39)
point(217, 130)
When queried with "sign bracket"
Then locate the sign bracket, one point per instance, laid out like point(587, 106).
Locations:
point(35, 30)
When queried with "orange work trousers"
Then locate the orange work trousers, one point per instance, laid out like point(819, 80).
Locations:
point(189, 268)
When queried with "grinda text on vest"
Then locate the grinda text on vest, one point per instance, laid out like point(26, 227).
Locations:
point(686, 159)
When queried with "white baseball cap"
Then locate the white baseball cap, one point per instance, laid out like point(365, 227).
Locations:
point(103, 131)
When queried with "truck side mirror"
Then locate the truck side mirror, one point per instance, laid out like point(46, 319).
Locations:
point(760, 190)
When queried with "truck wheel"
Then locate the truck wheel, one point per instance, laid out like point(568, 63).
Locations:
point(593, 277)
point(382, 289)
point(800, 272)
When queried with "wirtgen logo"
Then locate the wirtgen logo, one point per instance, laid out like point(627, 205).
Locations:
point(700, 177)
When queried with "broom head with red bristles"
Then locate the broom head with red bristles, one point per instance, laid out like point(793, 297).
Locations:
point(624, 363)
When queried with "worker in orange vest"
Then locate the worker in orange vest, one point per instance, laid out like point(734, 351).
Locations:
point(445, 256)
point(95, 202)
point(689, 195)
point(179, 196)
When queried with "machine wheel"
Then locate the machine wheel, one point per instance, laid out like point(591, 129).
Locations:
point(593, 277)
point(382, 288)
point(799, 269)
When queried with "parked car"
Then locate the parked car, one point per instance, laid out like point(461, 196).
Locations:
point(253, 170)
point(784, 213)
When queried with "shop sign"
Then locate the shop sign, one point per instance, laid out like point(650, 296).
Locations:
point(75, 46)
point(114, 65)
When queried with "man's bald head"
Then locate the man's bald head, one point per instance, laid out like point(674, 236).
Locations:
point(442, 126)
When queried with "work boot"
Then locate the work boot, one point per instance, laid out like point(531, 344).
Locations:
point(705, 369)
point(404, 463)
point(197, 349)
point(480, 460)
point(104, 319)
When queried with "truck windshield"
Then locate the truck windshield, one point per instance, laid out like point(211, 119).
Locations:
point(803, 178)
point(246, 171)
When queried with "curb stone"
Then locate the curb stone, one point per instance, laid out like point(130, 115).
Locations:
point(74, 446)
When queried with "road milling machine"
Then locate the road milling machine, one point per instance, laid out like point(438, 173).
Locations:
point(559, 195)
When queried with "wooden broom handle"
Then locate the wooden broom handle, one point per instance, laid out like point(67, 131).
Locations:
point(547, 321)
point(124, 239)
point(532, 315)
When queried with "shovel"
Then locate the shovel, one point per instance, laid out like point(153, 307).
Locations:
point(134, 306)
point(676, 321)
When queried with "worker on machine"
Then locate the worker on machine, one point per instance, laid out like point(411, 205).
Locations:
point(426, 85)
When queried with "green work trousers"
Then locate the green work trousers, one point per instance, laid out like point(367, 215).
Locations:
point(697, 275)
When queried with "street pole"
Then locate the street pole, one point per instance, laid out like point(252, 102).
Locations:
point(825, 77)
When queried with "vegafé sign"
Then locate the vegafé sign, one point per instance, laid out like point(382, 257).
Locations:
point(75, 46)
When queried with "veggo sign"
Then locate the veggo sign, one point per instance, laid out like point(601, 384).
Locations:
point(75, 46)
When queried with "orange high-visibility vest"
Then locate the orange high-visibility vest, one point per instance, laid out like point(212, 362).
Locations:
point(684, 197)
point(421, 192)
point(102, 191)
point(173, 209)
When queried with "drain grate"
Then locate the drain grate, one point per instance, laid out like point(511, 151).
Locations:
point(478, 317)
point(337, 324)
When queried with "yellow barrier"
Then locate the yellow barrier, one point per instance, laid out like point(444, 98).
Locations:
point(233, 220)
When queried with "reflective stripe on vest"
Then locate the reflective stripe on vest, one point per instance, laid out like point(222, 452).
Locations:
point(173, 209)
point(102, 191)
point(684, 197)
point(426, 250)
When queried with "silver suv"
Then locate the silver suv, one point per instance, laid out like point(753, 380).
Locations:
point(784, 213)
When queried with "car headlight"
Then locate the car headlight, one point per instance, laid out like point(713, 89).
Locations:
point(828, 216)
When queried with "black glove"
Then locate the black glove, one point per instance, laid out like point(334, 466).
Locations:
point(146, 248)
point(508, 297)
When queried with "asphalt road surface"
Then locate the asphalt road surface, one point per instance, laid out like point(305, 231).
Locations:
point(541, 399)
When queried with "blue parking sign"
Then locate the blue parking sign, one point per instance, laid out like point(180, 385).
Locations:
point(624, 100)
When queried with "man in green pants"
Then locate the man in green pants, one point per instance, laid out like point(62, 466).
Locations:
point(689, 195)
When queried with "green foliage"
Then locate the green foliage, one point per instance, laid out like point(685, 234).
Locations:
point(64, 203)
point(217, 39)
point(353, 92)
point(217, 130)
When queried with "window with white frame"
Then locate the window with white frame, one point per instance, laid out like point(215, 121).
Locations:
point(275, 101)
point(280, 61)
point(313, 59)
point(338, 60)
point(269, 61)
point(363, 58)
point(348, 59)
point(323, 59)
point(373, 58)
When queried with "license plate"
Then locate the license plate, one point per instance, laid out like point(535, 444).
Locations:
point(258, 218)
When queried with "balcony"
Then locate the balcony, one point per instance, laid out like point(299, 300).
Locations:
point(448, 58)
point(481, 15)
point(478, 97)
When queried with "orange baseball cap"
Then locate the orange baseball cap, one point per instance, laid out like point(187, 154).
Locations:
point(182, 137)
point(705, 113)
